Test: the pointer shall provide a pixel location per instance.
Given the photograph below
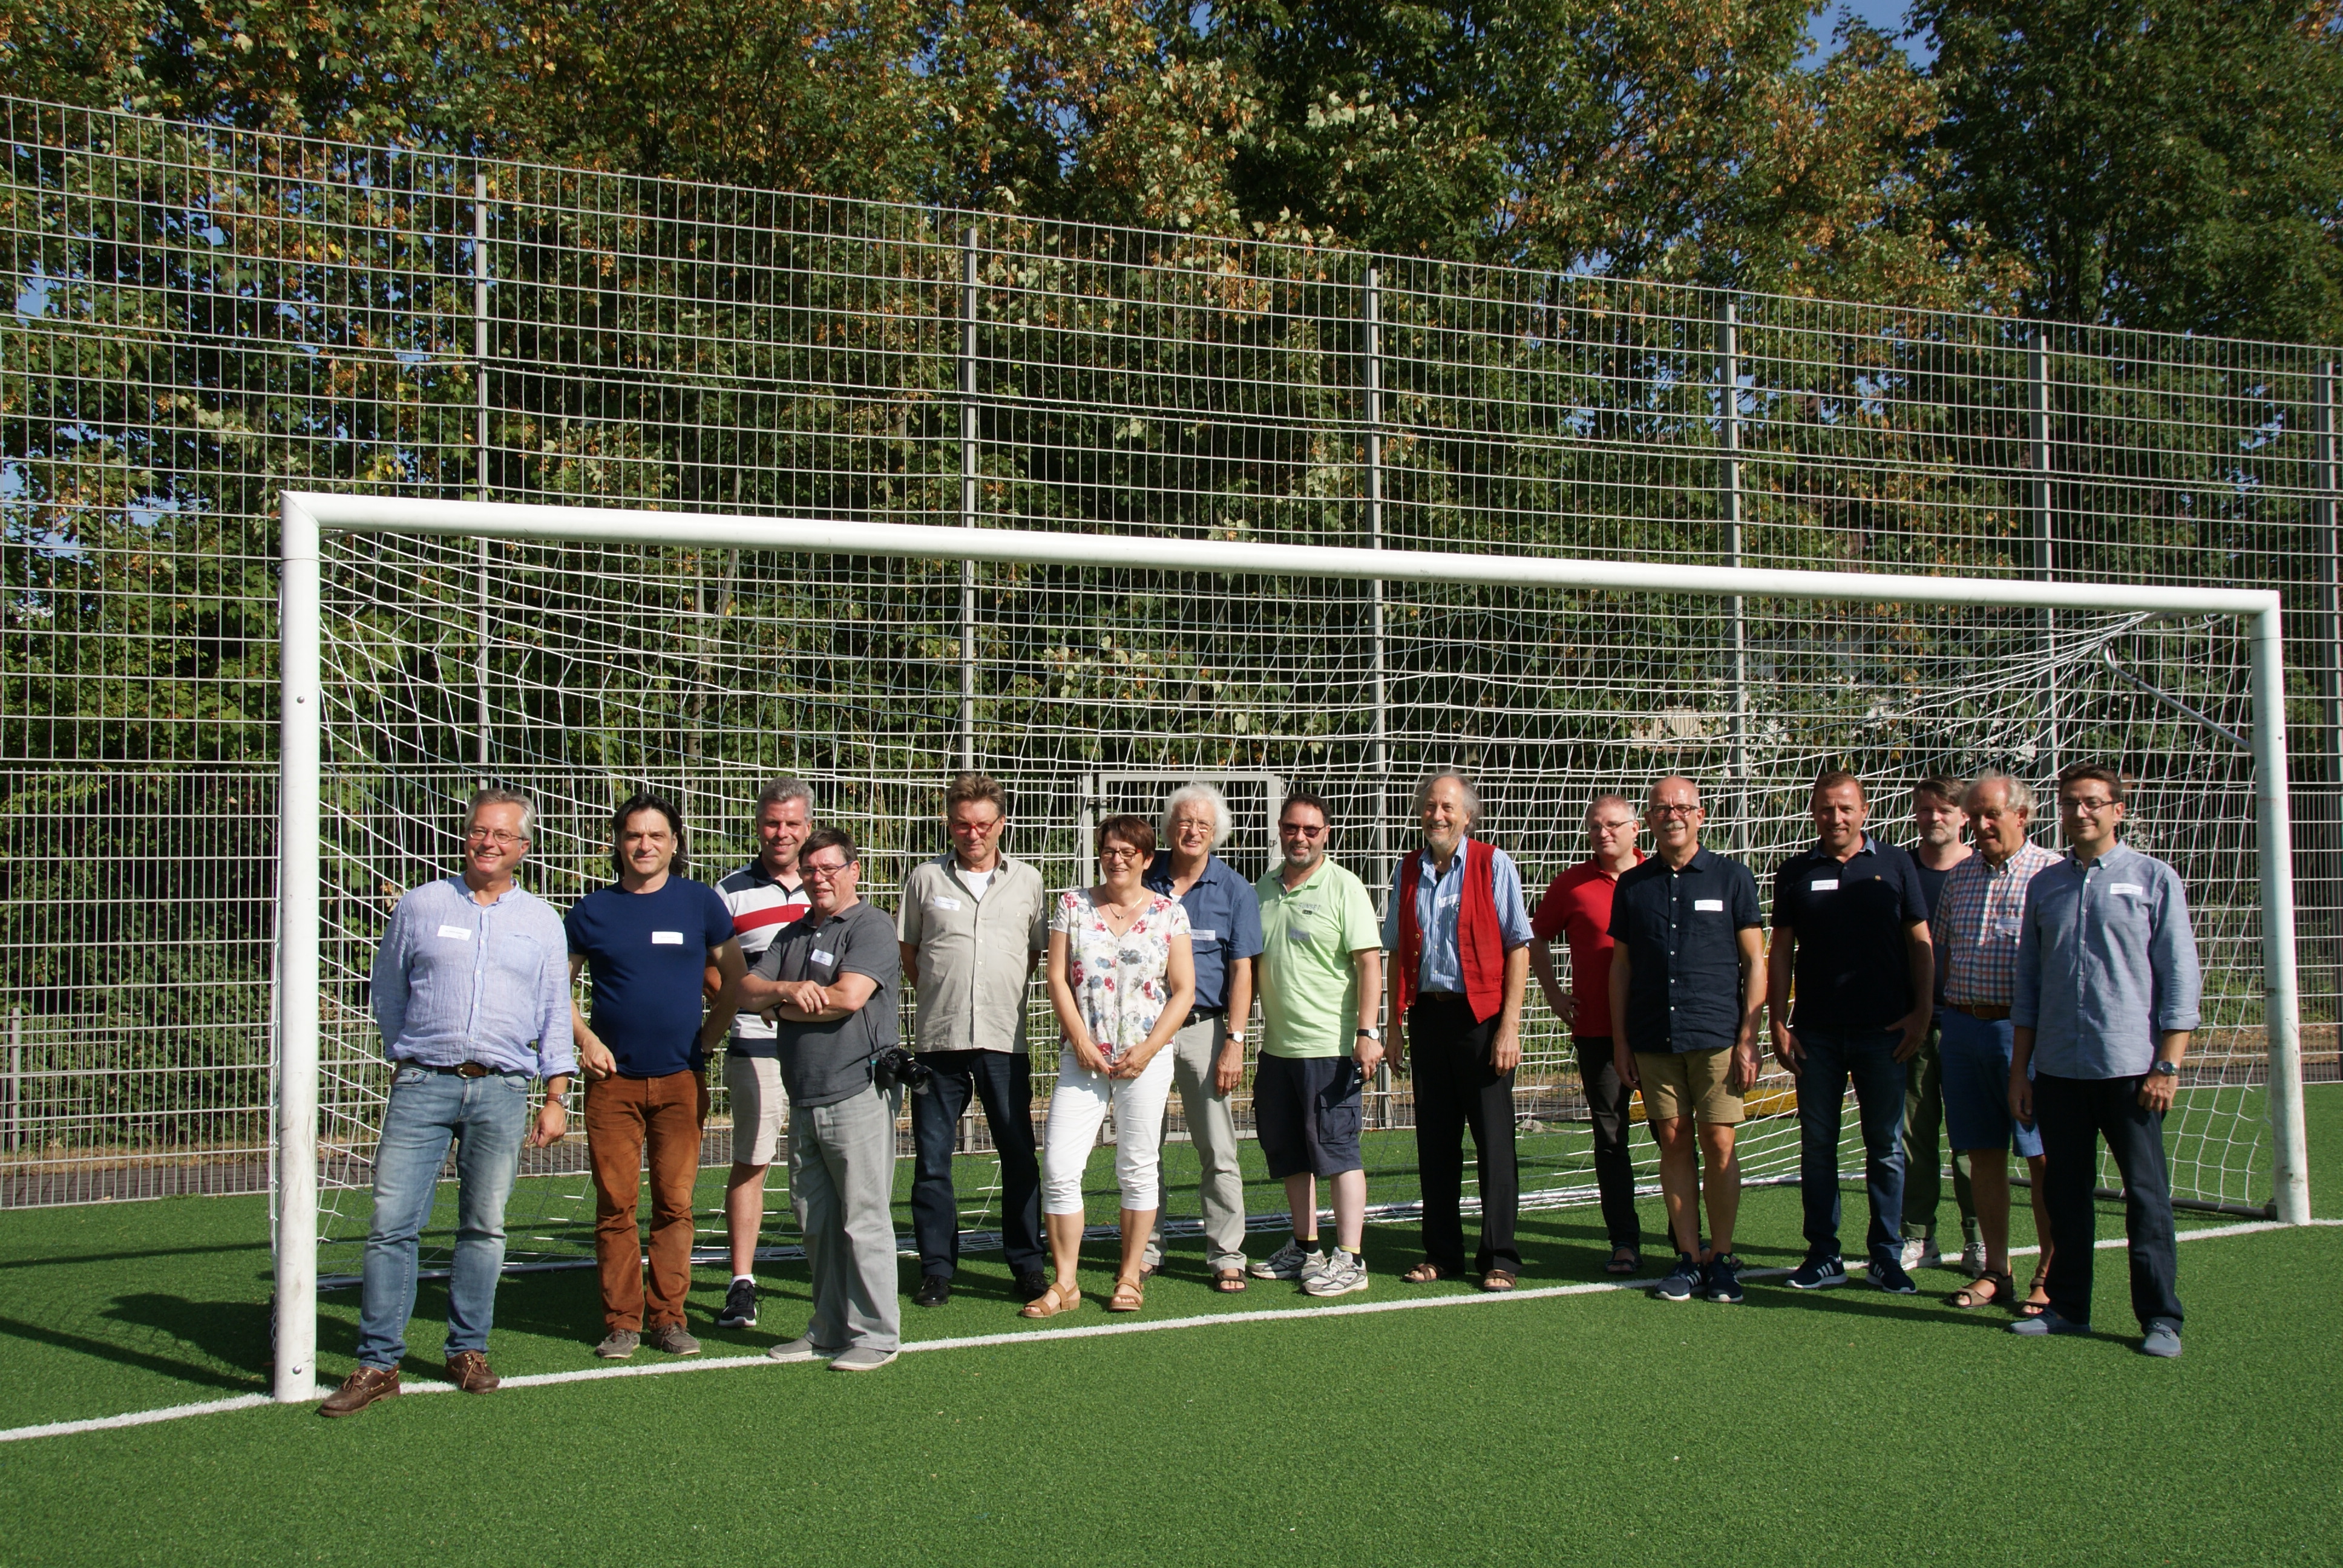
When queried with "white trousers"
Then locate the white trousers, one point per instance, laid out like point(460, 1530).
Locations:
point(1078, 1107)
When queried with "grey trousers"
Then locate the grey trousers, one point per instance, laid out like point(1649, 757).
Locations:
point(1213, 1130)
point(842, 1186)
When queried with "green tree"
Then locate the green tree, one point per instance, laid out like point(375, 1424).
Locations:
point(2174, 163)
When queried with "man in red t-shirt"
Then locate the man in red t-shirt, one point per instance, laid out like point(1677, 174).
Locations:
point(1577, 906)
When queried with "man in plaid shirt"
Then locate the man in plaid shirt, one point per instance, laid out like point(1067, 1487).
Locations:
point(1975, 934)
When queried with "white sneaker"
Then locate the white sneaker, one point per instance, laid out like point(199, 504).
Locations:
point(1973, 1259)
point(1288, 1263)
point(1919, 1252)
point(1342, 1274)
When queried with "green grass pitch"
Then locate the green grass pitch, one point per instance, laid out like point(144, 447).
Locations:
point(1599, 1428)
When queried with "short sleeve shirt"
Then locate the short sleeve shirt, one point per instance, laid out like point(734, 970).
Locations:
point(1224, 922)
point(1853, 966)
point(1310, 988)
point(1681, 930)
point(761, 904)
point(823, 1064)
point(648, 956)
point(974, 940)
point(1120, 983)
point(1577, 906)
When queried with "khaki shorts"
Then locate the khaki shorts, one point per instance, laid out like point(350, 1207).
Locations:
point(758, 1107)
point(1690, 1083)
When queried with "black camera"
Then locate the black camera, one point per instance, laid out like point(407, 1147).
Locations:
point(896, 1068)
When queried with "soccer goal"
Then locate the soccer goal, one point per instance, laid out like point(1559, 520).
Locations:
point(580, 653)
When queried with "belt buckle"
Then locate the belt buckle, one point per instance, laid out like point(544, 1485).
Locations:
point(470, 1069)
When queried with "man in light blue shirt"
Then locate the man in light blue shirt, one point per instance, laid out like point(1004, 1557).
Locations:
point(2106, 994)
point(471, 990)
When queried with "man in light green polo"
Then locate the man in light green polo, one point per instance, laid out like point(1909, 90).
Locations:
point(1321, 981)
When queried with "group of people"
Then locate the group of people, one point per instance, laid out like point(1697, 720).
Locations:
point(2021, 999)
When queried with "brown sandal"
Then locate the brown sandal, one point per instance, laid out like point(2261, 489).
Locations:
point(1426, 1273)
point(1051, 1302)
point(2030, 1308)
point(1497, 1279)
point(1228, 1282)
point(1985, 1289)
point(1623, 1261)
point(1129, 1296)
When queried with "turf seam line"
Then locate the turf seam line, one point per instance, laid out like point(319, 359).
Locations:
point(1033, 1336)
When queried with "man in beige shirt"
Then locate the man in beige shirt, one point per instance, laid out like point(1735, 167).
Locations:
point(973, 926)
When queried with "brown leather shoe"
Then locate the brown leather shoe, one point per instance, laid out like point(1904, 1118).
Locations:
point(469, 1370)
point(361, 1389)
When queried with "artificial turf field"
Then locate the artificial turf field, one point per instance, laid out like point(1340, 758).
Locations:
point(1596, 1427)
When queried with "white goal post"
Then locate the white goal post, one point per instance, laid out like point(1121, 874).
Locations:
point(308, 517)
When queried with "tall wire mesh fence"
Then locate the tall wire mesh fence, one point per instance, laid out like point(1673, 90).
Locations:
point(203, 318)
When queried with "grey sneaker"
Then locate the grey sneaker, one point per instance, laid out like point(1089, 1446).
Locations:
point(1288, 1263)
point(618, 1344)
point(2163, 1339)
point(860, 1359)
point(1920, 1252)
point(673, 1341)
point(799, 1348)
point(2049, 1323)
point(1973, 1259)
point(739, 1306)
point(1342, 1274)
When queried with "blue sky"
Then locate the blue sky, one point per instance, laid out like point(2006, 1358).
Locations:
point(1887, 15)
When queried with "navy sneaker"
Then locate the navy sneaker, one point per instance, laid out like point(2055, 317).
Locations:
point(1724, 1278)
point(1889, 1276)
point(2049, 1323)
point(1682, 1282)
point(1820, 1274)
point(2162, 1339)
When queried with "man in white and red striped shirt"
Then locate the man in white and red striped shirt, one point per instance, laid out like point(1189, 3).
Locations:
point(766, 897)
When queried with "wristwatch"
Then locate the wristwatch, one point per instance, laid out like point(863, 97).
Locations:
point(1372, 1033)
point(2167, 1069)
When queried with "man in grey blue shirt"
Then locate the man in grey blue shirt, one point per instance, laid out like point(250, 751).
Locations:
point(2106, 994)
point(471, 990)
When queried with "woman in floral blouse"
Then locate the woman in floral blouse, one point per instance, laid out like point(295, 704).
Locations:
point(1122, 978)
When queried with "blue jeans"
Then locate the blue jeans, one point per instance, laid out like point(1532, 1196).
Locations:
point(1867, 1058)
point(486, 1118)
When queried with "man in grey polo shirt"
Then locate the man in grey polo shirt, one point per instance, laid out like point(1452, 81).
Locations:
point(972, 927)
point(831, 981)
point(2107, 988)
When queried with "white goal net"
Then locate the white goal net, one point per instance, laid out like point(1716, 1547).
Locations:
point(582, 655)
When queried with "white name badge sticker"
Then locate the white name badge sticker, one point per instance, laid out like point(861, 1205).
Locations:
point(1708, 906)
point(1199, 933)
point(1298, 933)
point(941, 902)
point(1826, 885)
point(821, 957)
point(2134, 888)
point(666, 938)
point(456, 933)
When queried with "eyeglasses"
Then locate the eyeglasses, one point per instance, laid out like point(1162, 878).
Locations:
point(2095, 805)
point(1117, 852)
point(824, 873)
point(496, 836)
point(1297, 830)
point(1659, 808)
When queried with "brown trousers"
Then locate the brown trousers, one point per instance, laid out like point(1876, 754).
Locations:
point(622, 1116)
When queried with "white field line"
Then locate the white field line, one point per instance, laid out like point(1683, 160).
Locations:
point(1033, 1336)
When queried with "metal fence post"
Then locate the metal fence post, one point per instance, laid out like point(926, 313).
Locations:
point(481, 458)
point(2038, 503)
point(1728, 510)
point(968, 303)
point(1374, 346)
point(15, 1079)
point(2331, 636)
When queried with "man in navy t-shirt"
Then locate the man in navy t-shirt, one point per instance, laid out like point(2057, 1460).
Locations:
point(647, 940)
point(1851, 929)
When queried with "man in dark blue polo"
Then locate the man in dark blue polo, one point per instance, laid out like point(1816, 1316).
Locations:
point(1688, 987)
point(1851, 927)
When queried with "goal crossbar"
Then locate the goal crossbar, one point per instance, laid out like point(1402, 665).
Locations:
point(308, 516)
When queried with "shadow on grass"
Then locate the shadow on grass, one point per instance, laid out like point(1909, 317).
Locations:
point(234, 1332)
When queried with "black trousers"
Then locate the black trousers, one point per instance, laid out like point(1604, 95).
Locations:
point(1614, 1168)
point(1003, 1080)
point(2074, 1114)
point(1455, 1088)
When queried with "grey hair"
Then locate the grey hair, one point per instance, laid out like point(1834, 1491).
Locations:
point(1611, 798)
point(1472, 795)
point(505, 798)
point(1223, 818)
point(2021, 793)
point(781, 790)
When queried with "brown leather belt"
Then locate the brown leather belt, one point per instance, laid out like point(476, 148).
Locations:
point(1985, 1014)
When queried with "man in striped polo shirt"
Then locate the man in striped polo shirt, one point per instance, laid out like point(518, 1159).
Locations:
point(765, 896)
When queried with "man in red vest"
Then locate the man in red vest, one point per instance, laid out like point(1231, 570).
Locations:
point(1459, 932)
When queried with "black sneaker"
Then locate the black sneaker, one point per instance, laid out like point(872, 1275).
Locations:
point(739, 1306)
point(1683, 1281)
point(1819, 1273)
point(1889, 1276)
point(1724, 1278)
point(934, 1290)
point(1032, 1286)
